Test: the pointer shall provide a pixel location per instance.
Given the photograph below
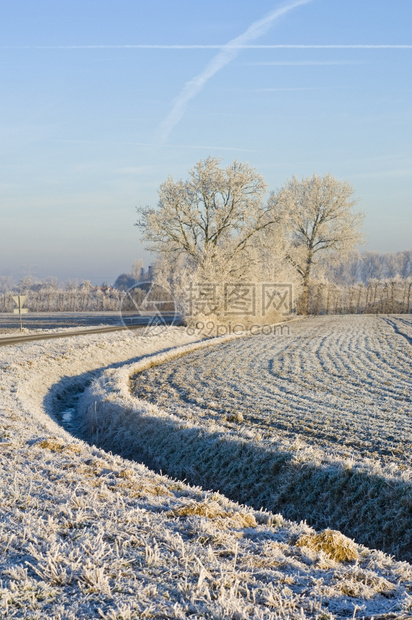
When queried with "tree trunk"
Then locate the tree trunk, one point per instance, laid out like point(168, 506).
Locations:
point(304, 300)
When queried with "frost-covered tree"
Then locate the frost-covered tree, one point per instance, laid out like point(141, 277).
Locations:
point(318, 218)
point(211, 219)
point(214, 228)
point(125, 281)
point(369, 266)
point(6, 284)
point(137, 269)
point(405, 264)
point(372, 266)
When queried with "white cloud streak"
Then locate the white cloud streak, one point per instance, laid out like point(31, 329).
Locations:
point(292, 89)
point(209, 147)
point(227, 53)
point(201, 46)
point(301, 63)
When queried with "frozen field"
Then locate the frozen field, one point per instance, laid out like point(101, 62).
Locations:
point(88, 534)
point(340, 383)
point(315, 425)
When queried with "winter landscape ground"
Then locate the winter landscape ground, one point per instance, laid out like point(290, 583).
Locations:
point(319, 421)
point(87, 533)
point(340, 383)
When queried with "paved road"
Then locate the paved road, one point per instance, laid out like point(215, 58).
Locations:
point(9, 323)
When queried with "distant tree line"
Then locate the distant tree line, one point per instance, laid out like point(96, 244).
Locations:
point(367, 282)
point(389, 296)
point(50, 296)
point(367, 266)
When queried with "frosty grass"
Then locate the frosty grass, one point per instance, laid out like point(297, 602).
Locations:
point(88, 534)
point(316, 425)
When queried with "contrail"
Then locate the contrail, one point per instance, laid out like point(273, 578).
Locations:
point(202, 46)
point(226, 55)
point(301, 63)
point(145, 144)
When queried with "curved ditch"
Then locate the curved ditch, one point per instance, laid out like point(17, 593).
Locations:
point(362, 501)
point(62, 397)
point(369, 508)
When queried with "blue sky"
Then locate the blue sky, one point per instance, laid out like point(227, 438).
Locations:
point(95, 114)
